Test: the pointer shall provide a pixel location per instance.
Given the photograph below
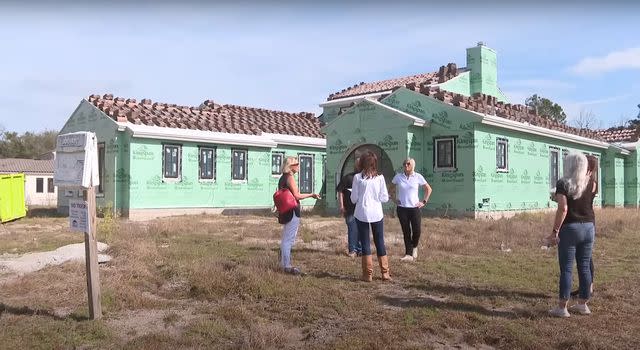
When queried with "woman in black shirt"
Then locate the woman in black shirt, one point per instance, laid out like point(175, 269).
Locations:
point(574, 231)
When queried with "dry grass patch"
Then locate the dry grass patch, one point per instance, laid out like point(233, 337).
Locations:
point(213, 282)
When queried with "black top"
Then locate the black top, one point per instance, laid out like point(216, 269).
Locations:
point(286, 217)
point(580, 209)
point(345, 187)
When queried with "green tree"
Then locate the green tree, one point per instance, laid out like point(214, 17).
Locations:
point(546, 107)
point(27, 145)
point(635, 122)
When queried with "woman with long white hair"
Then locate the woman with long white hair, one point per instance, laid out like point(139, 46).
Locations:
point(574, 231)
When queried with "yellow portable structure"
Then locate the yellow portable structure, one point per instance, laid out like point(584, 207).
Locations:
point(12, 201)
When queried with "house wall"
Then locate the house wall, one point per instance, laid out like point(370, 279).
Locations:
point(363, 124)
point(631, 183)
point(148, 189)
point(613, 179)
point(459, 85)
point(45, 198)
point(453, 191)
point(87, 117)
point(526, 185)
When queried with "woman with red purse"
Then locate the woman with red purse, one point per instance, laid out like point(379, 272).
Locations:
point(290, 219)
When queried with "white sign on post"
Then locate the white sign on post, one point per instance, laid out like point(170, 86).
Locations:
point(79, 216)
point(76, 166)
point(76, 163)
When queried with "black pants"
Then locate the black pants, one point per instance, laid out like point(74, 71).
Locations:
point(410, 219)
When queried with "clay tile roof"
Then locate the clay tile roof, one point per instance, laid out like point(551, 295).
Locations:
point(445, 73)
point(27, 166)
point(620, 134)
point(209, 116)
point(489, 105)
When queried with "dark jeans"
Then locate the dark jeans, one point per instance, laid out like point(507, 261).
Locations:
point(352, 234)
point(378, 237)
point(410, 219)
point(576, 241)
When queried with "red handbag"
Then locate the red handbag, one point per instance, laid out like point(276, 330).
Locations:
point(284, 200)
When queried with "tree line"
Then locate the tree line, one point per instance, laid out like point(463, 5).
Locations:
point(26, 145)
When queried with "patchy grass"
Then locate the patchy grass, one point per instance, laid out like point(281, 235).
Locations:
point(213, 282)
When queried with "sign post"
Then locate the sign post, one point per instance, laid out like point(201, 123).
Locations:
point(91, 256)
point(76, 166)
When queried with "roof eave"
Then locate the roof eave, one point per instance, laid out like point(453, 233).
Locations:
point(347, 100)
point(294, 140)
point(538, 130)
point(190, 135)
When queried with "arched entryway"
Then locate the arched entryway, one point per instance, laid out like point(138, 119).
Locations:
point(385, 166)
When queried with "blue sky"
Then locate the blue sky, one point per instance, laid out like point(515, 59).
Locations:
point(291, 57)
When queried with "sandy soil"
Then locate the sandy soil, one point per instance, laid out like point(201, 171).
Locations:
point(26, 263)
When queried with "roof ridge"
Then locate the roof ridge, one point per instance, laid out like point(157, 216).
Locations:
point(208, 116)
point(444, 73)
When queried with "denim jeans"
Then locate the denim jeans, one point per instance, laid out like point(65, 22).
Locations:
point(352, 234)
point(378, 237)
point(289, 232)
point(576, 240)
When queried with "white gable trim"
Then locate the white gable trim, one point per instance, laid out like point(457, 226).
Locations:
point(416, 121)
point(348, 100)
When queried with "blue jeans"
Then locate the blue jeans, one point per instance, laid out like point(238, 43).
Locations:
point(352, 234)
point(378, 237)
point(576, 240)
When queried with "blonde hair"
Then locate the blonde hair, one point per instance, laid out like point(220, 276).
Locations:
point(575, 174)
point(286, 165)
point(412, 162)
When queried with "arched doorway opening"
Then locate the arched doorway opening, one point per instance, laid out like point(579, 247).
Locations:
point(385, 166)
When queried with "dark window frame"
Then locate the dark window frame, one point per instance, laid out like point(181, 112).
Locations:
point(39, 184)
point(178, 171)
point(505, 167)
point(454, 154)
point(244, 165)
point(554, 174)
point(201, 150)
point(302, 185)
point(279, 168)
point(50, 187)
point(101, 166)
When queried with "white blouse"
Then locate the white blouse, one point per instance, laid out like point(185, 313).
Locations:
point(407, 189)
point(368, 196)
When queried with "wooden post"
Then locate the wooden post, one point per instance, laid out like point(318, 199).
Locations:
point(91, 256)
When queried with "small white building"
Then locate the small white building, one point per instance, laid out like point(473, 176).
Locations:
point(38, 187)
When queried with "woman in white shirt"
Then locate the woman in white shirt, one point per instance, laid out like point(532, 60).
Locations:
point(368, 193)
point(408, 184)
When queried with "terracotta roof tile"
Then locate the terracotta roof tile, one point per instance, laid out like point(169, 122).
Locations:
point(489, 105)
point(209, 116)
point(445, 73)
point(620, 134)
point(27, 166)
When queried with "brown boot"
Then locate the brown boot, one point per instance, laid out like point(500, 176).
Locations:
point(367, 268)
point(384, 267)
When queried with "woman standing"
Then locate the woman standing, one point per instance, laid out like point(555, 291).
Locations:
point(368, 193)
point(290, 219)
point(407, 185)
point(573, 231)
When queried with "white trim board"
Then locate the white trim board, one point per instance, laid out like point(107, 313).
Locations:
point(349, 99)
point(190, 135)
